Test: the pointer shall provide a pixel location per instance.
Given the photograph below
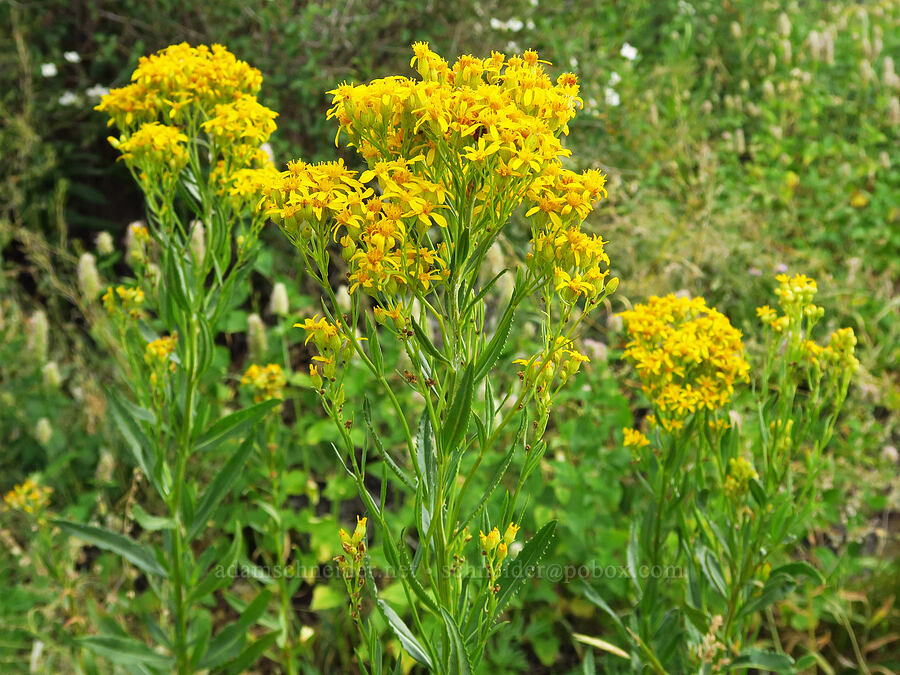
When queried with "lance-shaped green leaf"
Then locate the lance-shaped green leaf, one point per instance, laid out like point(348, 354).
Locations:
point(126, 415)
point(458, 661)
point(126, 651)
point(374, 344)
point(219, 487)
point(762, 660)
point(494, 348)
point(385, 455)
point(149, 522)
point(233, 424)
point(456, 423)
point(425, 342)
point(228, 643)
point(138, 555)
point(404, 634)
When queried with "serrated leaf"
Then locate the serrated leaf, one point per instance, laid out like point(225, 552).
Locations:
point(126, 547)
point(459, 662)
point(456, 423)
point(517, 571)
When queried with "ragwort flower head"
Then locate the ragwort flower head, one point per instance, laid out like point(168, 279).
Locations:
point(687, 355)
point(266, 382)
point(453, 154)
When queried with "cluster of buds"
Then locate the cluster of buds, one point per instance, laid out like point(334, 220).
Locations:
point(547, 372)
point(137, 244)
point(333, 347)
point(495, 550)
point(350, 563)
point(737, 482)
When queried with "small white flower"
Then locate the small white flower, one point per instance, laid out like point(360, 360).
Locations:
point(511, 46)
point(614, 79)
point(48, 69)
point(573, 62)
point(515, 25)
point(97, 91)
point(497, 24)
point(629, 52)
point(612, 97)
point(529, 24)
point(278, 303)
point(68, 98)
point(72, 57)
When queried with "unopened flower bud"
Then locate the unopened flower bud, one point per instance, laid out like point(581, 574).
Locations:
point(736, 31)
point(278, 303)
point(88, 277)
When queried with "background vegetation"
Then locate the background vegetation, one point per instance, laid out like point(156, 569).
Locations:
point(741, 139)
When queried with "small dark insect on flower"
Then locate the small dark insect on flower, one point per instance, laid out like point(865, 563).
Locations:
point(348, 424)
point(430, 382)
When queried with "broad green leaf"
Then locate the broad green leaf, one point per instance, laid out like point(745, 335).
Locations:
point(138, 555)
point(232, 424)
point(459, 662)
point(219, 487)
point(125, 651)
point(407, 639)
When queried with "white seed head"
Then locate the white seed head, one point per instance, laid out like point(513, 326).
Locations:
point(37, 336)
point(257, 339)
point(43, 431)
point(104, 243)
point(278, 303)
point(51, 376)
point(198, 242)
point(88, 276)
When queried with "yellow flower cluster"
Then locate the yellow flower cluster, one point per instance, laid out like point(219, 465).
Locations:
point(267, 382)
point(688, 356)
point(634, 438)
point(740, 473)
point(154, 144)
point(381, 236)
point(181, 91)
point(131, 300)
point(495, 549)
point(158, 355)
point(177, 81)
point(453, 153)
point(29, 497)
